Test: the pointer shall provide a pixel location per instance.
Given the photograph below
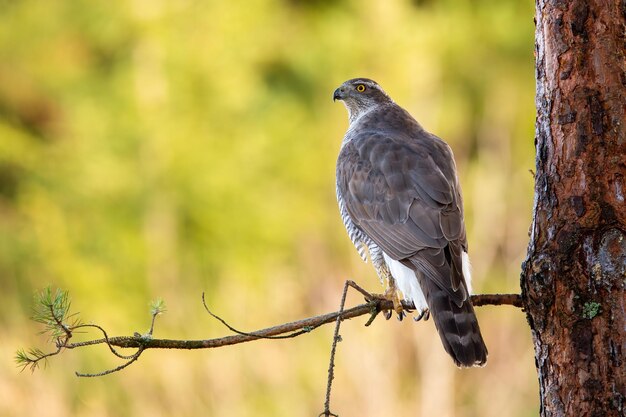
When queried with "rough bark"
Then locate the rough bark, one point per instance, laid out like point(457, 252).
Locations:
point(574, 278)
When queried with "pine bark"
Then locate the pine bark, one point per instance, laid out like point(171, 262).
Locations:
point(574, 278)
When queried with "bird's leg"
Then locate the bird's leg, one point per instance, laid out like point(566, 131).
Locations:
point(388, 282)
point(391, 293)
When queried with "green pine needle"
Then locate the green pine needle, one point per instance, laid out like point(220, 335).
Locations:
point(52, 309)
point(30, 359)
point(157, 307)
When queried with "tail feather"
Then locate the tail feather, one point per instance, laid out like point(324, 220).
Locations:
point(457, 326)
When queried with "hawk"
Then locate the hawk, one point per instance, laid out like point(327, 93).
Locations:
point(400, 199)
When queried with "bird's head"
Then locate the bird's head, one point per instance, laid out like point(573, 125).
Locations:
point(360, 95)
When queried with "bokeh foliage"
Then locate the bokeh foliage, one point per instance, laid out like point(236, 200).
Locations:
point(164, 148)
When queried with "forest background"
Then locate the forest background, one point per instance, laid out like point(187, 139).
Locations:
point(165, 148)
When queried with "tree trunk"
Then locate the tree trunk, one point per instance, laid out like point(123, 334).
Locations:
point(574, 278)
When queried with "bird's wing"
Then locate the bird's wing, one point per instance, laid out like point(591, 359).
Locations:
point(403, 192)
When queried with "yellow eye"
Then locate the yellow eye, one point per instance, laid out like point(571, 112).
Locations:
point(360, 88)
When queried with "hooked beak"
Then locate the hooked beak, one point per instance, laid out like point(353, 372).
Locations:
point(339, 94)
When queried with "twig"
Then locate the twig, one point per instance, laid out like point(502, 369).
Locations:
point(157, 308)
point(106, 341)
point(333, 349)
point(255, 335)
point(34, 357)
point(133, 358)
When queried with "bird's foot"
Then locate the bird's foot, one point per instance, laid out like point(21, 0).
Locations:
point(424, 314)
point(376, 301)
point(391, 293)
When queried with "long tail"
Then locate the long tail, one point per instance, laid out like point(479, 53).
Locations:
point(457, 326)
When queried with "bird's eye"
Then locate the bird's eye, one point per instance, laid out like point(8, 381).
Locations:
point(360, 88)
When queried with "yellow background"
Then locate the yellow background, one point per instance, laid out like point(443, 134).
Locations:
point(155, 148)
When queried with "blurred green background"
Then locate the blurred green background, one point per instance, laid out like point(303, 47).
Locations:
point(155, 148)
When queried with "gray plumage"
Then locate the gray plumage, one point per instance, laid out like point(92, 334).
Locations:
point(399, 196)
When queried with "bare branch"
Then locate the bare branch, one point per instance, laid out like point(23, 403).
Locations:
point(333, 349)
point(304, 325)
point(298, 332)
point(514, 300)
point(54, 312)
point(133, 358)
point(106, 341)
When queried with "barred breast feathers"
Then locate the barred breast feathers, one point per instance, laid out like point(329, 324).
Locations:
point(360, 241)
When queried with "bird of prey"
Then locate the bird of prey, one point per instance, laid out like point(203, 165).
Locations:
point(400, 199)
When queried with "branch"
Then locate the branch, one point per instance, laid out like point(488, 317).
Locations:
point(56, 323)
point(514, 300)
point(304, 325)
